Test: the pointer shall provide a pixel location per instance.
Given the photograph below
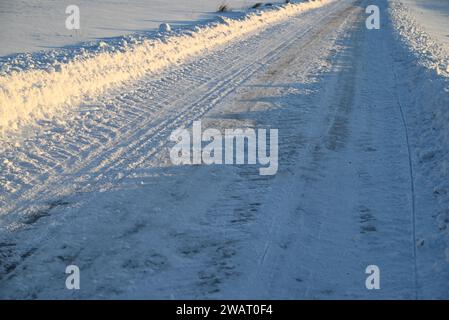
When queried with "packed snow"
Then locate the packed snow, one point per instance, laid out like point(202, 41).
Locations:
point(424, 56)
point(363, 177)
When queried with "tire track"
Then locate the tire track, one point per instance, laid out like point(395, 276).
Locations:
point(136, 140)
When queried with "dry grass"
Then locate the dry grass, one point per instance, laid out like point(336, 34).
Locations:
point(223, 8)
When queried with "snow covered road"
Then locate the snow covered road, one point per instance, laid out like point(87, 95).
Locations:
point(98, 189)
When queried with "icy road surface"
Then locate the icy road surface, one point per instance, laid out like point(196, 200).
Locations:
point(98, 189)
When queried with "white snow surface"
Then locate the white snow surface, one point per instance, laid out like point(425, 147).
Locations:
point(363, 170)
point(31, 25)
point(424, 58)
point(36, 94)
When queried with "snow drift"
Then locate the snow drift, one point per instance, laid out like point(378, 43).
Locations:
point(29, 96)
point(425, 62)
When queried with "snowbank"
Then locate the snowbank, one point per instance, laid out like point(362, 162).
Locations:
point(428, 50)
point(426, 70)
point(28, 96)
point(433, 17)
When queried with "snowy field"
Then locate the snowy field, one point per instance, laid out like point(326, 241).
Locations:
point(31, 25)
point(433, 15)
point(87, 178)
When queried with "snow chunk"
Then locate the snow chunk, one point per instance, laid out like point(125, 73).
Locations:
point(164, 27)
